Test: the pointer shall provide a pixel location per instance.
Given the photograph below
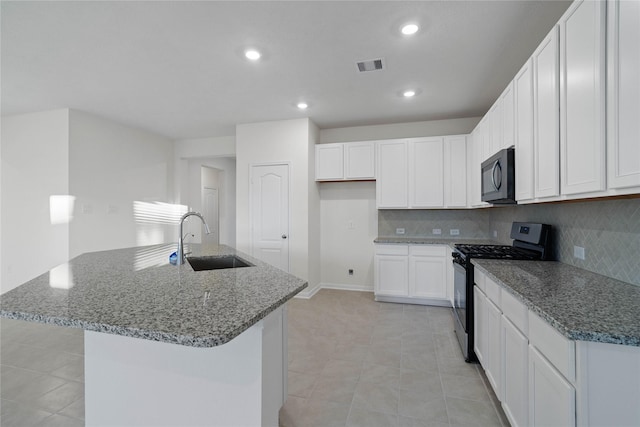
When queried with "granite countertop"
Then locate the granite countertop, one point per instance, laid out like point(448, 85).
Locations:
point(135, 292)
point(581, 305)
point(429, 241)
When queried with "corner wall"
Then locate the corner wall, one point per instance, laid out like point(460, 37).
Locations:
point(35, 166)
point(285, 141)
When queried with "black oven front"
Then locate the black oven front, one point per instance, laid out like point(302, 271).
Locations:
point(463, 304)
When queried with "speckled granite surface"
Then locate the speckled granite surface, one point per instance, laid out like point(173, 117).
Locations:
point(581, 305)
point(429, 241)
point(136, 292)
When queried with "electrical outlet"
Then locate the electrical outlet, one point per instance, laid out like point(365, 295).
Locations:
point(495, 234)
point(436, 231)
point(454, 232)
point(578, 252)
point(351, 272)
point(87, 208)
point(399, 230)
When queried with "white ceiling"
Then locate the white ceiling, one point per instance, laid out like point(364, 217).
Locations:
point(177, 67)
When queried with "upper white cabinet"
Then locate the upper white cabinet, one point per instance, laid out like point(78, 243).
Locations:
point(507, 99)
point(392, 181)
point(523, 115)
point(422, 173)
point(623, 101)
point(426, 173)
point(455, 171)
point(350, 161)
point(546, 117)
point(582, 105)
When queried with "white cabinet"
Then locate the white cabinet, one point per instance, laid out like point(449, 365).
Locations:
point(350, 161)
point(413, 274)
point(494, 137)
point(329, 162)
point(494, 348)
point(582, 97)
point(546, 117)
point(551, 396)
point(623, 102)
point(455, 171)
point(426, 173)
point(523, 115)
point(474, 154)
point(392, 189)
point(515, 396)
point(422, 173)
point(480, 337)
point(428, 271)
point(507, 99)
point(359, 160)
point(391, 263)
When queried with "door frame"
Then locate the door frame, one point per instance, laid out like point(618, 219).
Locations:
point(251, 207)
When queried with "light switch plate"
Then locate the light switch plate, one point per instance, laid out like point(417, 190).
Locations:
point(454, 232)
point(436, 231)
point(578, 252)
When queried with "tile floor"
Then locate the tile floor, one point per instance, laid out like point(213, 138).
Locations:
point(352, 362)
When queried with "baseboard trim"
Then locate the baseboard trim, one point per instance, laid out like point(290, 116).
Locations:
point(311, 291)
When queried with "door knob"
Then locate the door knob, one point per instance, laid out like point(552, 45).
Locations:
point(284, 236)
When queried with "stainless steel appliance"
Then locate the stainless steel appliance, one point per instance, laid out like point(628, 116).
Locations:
point(531, 242)
point(499, 178)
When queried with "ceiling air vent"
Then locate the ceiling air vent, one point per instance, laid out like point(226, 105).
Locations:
point(370, 65)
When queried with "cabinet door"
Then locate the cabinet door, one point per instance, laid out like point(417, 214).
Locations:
point(391, 184)
point(493, 350)
point(515, 391)
point(426, 173)
point(623, 103)
point(523, 87)
point(495, 128)
point(582, 97)
point(329, 162)
point(552, 399)
point(480, 325)
point(546, 117)
point(391, 275)
point(427, 277)
point(507, 99)
point(359, 160)
point(455, 173)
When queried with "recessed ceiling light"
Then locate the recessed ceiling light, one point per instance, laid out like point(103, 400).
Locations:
point(252, 54)
point(409, 29)
point(409, 93)
point(302, 105)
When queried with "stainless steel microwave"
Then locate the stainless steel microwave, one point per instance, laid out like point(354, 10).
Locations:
point(499, 178)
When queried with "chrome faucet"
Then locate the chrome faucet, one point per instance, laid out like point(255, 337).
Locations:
point(180, 251)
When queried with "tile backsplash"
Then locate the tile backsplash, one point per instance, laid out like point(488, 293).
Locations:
point(608, 230)
point(472, 224)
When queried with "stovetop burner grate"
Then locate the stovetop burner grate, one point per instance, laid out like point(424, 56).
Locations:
point(496, 252)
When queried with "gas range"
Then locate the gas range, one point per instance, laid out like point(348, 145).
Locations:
point(531, 242)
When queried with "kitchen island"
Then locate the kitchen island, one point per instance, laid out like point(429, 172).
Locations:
point(166, 345)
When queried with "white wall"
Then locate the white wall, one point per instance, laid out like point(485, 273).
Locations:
point(35, 164)
point(285, 141)
point(349, 224)
point(111, 166)
point(400, 130)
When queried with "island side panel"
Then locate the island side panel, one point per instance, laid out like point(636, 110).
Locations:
point(133, 382)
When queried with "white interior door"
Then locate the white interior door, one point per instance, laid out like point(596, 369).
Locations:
point(270, 214)
point(210, 208)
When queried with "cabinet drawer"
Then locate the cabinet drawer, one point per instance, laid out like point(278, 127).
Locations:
point(392, 249)
point(479, 279)
point(492, 289)
point(559, 350)
point(429, 250)
point(515, 311)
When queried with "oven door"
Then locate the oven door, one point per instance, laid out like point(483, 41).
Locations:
point(460, 293)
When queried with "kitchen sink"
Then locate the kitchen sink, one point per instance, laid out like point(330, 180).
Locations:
point(217, 262)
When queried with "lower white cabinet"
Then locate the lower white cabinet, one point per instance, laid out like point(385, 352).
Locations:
point(494, 348)
point(479, 324)
point(515, 385)
point(391, 263)
point(551, 397)
point(411, 273)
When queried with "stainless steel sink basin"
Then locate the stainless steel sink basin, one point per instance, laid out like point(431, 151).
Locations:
point(217, 262)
